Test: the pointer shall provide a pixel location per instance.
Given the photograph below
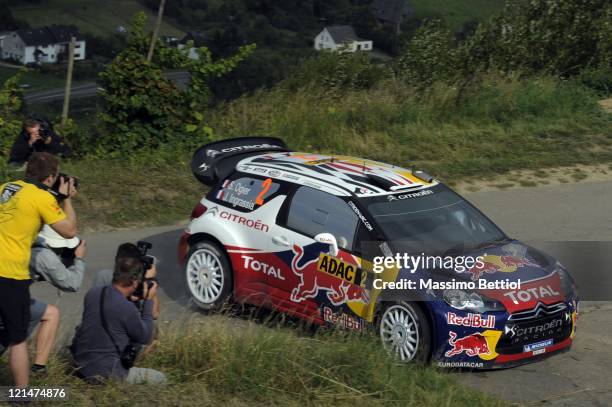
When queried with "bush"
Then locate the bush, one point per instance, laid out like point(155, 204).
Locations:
point(598, 79)
point(10, 105)
point(430, 56)
point(337, 72)
point(559, 37)
point(143, 109)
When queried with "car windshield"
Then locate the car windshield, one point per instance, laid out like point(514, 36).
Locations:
point(433, 221)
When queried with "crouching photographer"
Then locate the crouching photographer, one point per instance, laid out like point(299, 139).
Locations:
point(105, 344)
point(60, 262)
point(136, 251)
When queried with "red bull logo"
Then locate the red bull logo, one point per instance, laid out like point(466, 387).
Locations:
point(493, 264)
point(473, 345)
point(311, 281)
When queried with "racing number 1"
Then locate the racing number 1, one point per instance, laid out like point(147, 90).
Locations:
point(266, 187)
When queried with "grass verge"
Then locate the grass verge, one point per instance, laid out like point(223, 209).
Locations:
point(492, 128)
point(210, 362)
point(96, 17)
point(32, 79)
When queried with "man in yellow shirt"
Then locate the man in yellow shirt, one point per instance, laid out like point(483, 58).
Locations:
point(24, 207)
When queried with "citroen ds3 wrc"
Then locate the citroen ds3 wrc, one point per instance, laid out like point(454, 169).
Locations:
point(286, 230)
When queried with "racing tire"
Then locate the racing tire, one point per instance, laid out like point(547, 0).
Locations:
point(405, 331)
point(208, 276)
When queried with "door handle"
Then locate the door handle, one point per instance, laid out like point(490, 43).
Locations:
point(281, 241)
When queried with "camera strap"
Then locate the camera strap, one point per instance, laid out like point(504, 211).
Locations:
point(103, 318)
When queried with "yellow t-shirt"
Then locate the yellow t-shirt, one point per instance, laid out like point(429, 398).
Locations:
point(24, 208)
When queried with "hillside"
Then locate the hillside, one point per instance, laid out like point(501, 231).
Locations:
point(91, 16)
point(456, 12)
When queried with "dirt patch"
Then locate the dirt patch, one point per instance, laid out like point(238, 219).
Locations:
point(606, 105)
point(532, 178)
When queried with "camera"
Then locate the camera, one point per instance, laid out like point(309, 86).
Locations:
point(147, 262)
point(55, 187)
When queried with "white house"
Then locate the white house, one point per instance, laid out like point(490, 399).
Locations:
point(2, 37)
point(341, 38)
point(42, 45)
point(198, 41)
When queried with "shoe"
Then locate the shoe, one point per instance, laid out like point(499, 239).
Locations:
point(38, 370)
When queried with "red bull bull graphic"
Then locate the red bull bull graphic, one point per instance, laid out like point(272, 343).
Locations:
point(493, 264)
point(473, 345)
point(311, 281)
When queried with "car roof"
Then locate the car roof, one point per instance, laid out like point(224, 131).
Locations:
point(335, 174)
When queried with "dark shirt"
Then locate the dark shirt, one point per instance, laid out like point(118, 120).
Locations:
point(21, 150)
point(93, 350)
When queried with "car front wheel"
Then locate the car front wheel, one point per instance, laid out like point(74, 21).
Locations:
point(405, 332)
point(208, 276)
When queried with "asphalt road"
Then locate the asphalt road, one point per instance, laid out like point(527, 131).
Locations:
point(572, 212)
point(88, 89)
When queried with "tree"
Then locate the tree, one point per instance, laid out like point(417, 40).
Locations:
point(431, 55)
point(144, 109)
point(10, 105)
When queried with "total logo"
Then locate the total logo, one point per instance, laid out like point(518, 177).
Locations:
point(471, 320)
point(260, 267)
point(531, 294)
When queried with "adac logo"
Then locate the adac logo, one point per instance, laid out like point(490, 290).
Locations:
point(336, 267)
point(311, 281)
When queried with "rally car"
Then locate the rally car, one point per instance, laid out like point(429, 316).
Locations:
point(299, 232)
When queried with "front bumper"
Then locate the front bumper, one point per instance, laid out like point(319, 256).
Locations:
point(509, 342)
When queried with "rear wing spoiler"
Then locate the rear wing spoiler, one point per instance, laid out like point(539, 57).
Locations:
point(214, 161)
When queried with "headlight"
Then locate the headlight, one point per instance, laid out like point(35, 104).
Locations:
point(471, 301)
point(567, 282)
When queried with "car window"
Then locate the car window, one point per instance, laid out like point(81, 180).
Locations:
point(245, 193)
point(313, 212)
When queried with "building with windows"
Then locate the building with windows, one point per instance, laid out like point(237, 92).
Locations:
point(46, 45)
point(341, 38)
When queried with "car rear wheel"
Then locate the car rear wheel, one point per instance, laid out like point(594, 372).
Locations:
point(405, 332)
point(208, 276)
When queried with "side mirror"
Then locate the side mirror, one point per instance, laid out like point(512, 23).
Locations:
point(329, 239)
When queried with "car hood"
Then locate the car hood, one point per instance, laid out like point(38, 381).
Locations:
point(514, 261)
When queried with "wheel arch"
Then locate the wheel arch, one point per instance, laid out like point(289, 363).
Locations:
point(427, 311)
point(202, 236)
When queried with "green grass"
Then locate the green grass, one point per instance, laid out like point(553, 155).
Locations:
point(93, 16)
point(36, 80)
point(457, 12)
point(212, 361)
point(498, 126)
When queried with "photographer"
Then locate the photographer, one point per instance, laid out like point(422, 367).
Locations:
point(36, 136)
point(24, 207)
point(60, 262)
point(129, 250)
point(103, 346)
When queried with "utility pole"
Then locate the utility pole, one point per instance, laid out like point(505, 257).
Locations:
point(160, 13)
point(68, 80)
